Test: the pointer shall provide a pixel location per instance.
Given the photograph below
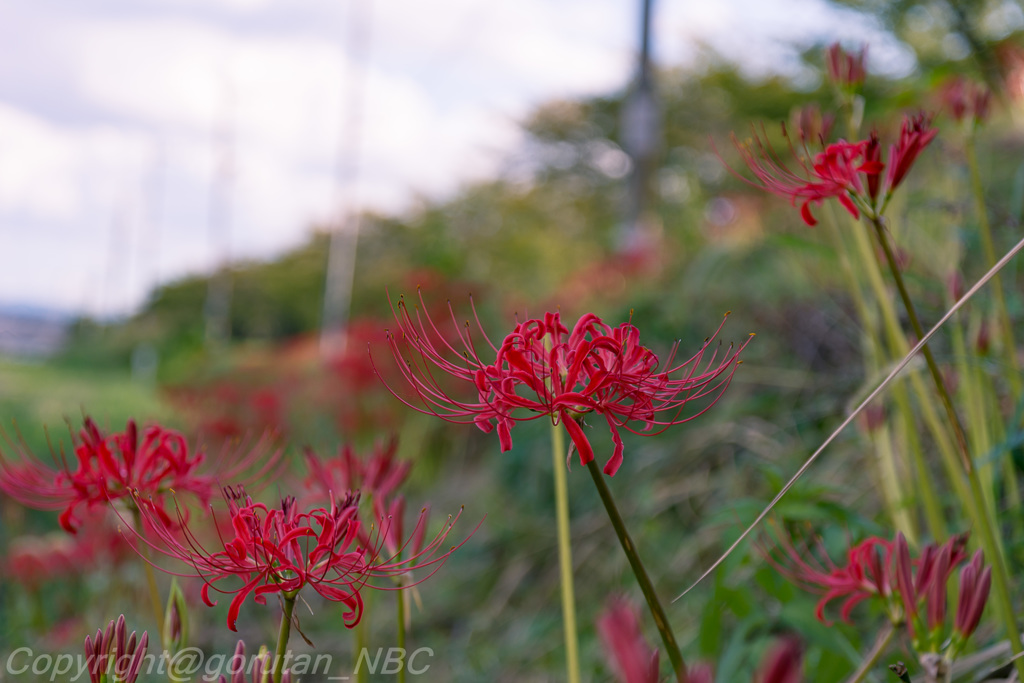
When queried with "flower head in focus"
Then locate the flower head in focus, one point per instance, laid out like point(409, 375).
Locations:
point(544, 369)
point(280, 550)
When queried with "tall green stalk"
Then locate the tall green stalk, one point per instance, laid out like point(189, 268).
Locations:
point(1005, 328)
point(977, 508)
point(572, 655)
point(899, 346)
point(646, 587)
point(283, 636)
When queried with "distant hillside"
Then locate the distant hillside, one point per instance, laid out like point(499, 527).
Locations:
point(29, 333)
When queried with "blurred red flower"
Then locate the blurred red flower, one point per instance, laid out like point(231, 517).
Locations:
point(118, 466)
point(379, 474)
point(849, 172)
point(866, 573)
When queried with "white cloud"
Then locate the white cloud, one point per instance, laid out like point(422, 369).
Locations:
point(36, 163)
point(81, 126)
point(765, 37)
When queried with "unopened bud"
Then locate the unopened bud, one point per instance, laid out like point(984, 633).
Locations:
point(983, 342)
point(956, 286)
point(175, 631)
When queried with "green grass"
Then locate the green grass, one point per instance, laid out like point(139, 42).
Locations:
point(34, 396)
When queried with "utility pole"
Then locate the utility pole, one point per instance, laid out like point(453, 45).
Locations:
point(641, 135)
point(344, 240)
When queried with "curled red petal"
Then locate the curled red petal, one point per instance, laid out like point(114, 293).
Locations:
point(578, 438)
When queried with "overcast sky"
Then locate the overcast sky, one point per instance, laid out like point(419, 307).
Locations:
point(126, 124)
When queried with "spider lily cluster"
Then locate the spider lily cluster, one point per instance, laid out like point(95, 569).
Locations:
point(911, 589)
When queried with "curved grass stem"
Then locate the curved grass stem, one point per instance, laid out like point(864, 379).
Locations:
point(875, 393)
point(976, 507)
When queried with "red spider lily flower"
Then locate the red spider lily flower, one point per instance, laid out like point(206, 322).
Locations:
point(783, 663)
point(379, 474)
point(281, 550)
point(849, 172)
point(115, 652)
point(865, 574)
point(628, 652)
point(839, 172)
point(845, 69)
point(915, 134)
point(966, 100)
point(116, 466)
point(546, 370)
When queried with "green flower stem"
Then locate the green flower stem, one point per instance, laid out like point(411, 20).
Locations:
point(932, 506)
point(660, 620)
point(899, 347)
point(899, 512)
point(894, 499)
point(976, 408)
point(572, 654)
point(283, 635)
point(1009, 345)
point(875, 359)
point(882, 642)
point(977, 508)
